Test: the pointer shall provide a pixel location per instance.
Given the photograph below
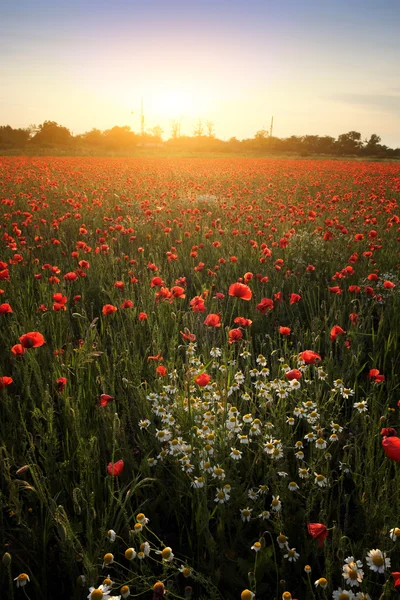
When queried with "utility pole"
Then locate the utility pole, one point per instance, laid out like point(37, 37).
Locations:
point(272, 125)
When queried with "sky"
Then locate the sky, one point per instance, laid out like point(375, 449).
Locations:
point(319, 67)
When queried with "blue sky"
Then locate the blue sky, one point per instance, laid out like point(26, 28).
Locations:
point(318, 67)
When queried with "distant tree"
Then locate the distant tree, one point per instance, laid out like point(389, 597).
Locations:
point(157, 132)
point(293, 144)
point(94, 138)
point(199, 129)
point(261, 135)
point(50, 133)
point(175, 129)
point(326, 144)
point(120, 138)
point(13, 138)
point(210, 129)
point(372, 146)
point(310, 143)
point(349, 143)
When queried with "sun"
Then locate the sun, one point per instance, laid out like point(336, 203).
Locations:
point(175, 103)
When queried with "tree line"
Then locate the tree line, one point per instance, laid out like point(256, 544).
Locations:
point(52, 136)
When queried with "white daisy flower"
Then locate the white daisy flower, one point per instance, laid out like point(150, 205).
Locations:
point(320, 480)
point(377, 561)
point(22, 579)
point(340, 594)
point(276, 504)
point(264, 515)
point(394, 533)
point(236, 454)
point(100, 593)
point(245, 514)
point(292, 555)
point(282, 541)
point(352, 571)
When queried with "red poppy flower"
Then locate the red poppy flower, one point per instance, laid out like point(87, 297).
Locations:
point(240, 290)
point(284, 331)
point(396, 578)
point(4, 275)
point(178, 292)
point(293, 374)
point(294, 298)
point(77, 298)
point(234, 335)
point(213, 320)
point(33, 339)
point(5, 381)
point(157, 357)
point(353, 318)
point(318, 532)
point(161, 370)
point(58, 307)
point(388, 285)
point(71, 276)
point(391, 446)
point(203, 379)
point(105, 399)
point(108, 309)
point(18, 350)
point(163, 294)
point(335, 331)
point(61, 383)
point(354, 289)
point(197, 304)
point(5, 309)
point(309, 357)
point(219, 296)
point(243, 322)
point(115, 469)
point(335, 290)
point(59, 298)
point(376, 376)
point(143, 316)
point(186, 335)
point(127, 304)
point(156, 282)
point(265, 305)
point(388, 431)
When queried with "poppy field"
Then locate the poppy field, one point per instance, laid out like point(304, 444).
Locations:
point(199, 391)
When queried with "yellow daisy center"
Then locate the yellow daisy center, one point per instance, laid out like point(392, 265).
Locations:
point(353, 574)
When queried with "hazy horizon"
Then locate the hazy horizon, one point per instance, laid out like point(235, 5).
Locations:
point(318, 69)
